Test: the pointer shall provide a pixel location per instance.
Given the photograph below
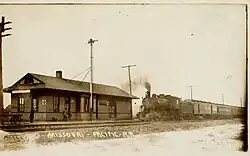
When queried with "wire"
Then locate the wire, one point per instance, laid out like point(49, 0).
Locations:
point(86, 75)
point(80, 73)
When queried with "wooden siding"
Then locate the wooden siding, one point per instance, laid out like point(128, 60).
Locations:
point(123, 107)
point(101, 103)
point(103, 106)
point(27, 101)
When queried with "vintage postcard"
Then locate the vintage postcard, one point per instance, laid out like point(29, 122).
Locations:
point(131, 78)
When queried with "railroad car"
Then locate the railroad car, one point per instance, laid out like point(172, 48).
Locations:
point(224, 111)
point(237, 111)
point(186, 109)
point(202, 109)
point(175, 108)
point(234, 111)
point(214, 109)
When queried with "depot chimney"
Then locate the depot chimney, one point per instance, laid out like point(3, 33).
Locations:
point(59, 74)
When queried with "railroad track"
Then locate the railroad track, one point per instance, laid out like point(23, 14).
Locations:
point(77, 125)
point(69, 125)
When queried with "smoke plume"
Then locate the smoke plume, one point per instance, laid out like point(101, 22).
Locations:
point(137, 82)
point(145, 83)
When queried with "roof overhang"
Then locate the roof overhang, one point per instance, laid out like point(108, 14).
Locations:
point(7, 90)
point(20, 91)
point(15, 91)
point(135, 97)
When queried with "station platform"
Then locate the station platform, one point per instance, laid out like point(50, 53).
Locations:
point(74, 122)
point(56, 125)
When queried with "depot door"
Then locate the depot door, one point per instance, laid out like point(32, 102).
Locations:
point(112, 110)
point(67, 103)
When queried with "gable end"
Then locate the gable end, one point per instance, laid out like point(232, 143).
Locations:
point(28, 79)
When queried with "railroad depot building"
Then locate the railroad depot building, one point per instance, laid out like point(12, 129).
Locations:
point(51, 95)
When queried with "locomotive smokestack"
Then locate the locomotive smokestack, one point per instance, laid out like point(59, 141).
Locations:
point(148, 87)
point(147, 94)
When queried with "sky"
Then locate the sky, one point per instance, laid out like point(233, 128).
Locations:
point(173, 46)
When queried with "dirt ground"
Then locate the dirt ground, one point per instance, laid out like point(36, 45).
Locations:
point(45, 138)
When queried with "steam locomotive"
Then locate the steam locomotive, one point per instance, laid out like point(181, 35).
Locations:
point(167, 107)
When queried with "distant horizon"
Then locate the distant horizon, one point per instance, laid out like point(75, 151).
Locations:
point(66, 78)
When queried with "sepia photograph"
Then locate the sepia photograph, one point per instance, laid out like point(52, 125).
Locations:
point(133, 78)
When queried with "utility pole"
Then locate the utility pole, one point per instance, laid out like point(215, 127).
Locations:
point(91, 42)
point(246, 64)
point(2, 30)
point(130, 84)
point(191, 91)
point(129, 77)
point(241, 102)
point(222, 95)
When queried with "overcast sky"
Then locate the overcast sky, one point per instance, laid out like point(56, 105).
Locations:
point(173, 46)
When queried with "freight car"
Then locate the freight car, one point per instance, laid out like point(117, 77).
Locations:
point(167, 107)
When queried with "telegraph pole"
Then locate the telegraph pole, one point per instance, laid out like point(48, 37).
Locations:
point(191, 91)
point(222, 95)
point(91, 42)
point(129, 77)
point(2, 30)
point(241, 102)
